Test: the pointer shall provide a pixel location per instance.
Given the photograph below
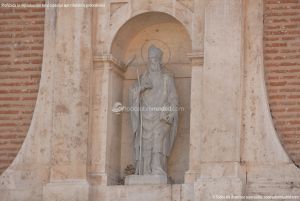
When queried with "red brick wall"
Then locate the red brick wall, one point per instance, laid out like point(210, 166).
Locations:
point(21, 48)
point(282, 70)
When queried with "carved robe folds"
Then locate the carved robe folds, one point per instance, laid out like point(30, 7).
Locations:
point(154, 115)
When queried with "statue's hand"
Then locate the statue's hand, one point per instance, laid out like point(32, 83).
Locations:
point(145, 85)
point(166, 117)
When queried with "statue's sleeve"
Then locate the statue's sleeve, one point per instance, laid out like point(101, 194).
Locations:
point(133, 100)
point(174, 103)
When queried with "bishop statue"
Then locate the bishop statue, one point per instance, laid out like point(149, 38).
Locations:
point(155, 119)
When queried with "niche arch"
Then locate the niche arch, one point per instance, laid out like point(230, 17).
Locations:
point(150, 27)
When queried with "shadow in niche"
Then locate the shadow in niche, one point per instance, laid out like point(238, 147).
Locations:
point(152, 27)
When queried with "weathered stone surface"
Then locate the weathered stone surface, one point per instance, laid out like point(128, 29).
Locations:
point(211, 188)
point(167, 192)
point(146, 179)
point(66, 191)
point(76, 148)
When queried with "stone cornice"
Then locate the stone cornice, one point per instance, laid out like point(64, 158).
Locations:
point(197, 58)
point(102, 61)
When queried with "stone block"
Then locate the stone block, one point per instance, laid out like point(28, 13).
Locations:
point(145, 179)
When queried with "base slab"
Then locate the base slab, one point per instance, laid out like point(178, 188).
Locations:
point(145, 179)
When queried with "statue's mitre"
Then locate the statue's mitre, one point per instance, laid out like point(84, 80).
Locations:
point(154, 52)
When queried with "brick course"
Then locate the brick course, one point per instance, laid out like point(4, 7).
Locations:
point(282, 70)
point(21, 50)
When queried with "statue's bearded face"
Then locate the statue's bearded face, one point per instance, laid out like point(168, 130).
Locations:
point(154, 63)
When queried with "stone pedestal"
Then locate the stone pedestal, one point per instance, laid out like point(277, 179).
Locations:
point(146, 179)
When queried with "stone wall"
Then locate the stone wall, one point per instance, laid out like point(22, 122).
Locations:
point(282, 68)
point(21, 52)
point(72, 148)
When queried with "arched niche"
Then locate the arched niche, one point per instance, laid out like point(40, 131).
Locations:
point(152, 27)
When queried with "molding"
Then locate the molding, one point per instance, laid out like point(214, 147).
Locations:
point(197, 58)
point(108, 62)
point(68, 182)
point(108, 59)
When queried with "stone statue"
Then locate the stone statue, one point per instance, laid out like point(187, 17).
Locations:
point(155, 121)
